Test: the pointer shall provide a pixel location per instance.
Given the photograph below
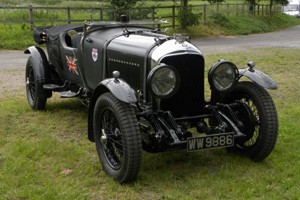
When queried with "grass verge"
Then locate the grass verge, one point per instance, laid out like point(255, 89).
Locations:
point(15, 36)
point(46, 155)
point(19, 36)
point(240, 25)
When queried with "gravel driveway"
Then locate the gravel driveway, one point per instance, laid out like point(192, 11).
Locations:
point(12, 63)
point(288, 38)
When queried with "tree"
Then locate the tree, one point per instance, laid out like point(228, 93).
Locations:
point(121, 7)
point(185, 15)
point(282, 2)
point(252, 3)
point(215, 1)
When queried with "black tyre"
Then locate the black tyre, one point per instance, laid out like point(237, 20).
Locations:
point(259, 118)
point(117, 138)
point(36, 95)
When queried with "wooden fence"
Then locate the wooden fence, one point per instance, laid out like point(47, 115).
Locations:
point(46, 15)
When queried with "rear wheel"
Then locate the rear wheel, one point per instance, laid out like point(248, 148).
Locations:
point(117, 138)
point(259, 116)
point(36, 95)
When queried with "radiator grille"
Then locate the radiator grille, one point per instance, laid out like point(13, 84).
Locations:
point(189, 100)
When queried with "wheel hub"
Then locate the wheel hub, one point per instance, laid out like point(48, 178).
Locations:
point(248, 120)
point(103, 139)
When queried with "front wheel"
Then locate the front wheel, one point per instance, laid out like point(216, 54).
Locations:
point(261, 124)
point(117, 138)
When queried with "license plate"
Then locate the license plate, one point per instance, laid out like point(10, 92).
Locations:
point(210, 141)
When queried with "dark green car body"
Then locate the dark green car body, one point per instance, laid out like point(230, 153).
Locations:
point(121, 69)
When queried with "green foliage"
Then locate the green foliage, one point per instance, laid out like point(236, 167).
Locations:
point(185, 15)
point(10, 35)
point(220, 20)
point(122, 3)
point(219, 24)
point(282, 2)
point(121, 7)
point(49, 2)
point(187, 18)
point(141, 12)
point(248, 24)
point(215, 1)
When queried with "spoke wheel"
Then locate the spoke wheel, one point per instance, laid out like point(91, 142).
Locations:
point(260, 125)
point(251, 123)
point(30, 81)
point(36, 95)
point(117, 137)
point(111, 140)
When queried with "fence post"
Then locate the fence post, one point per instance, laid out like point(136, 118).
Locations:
point(173, 16)
point(237, 9)
point(101, 14)
point(68, 15)
point(250, 9)
point(228, 9)
point(31, 16)
point(271, 10)
point(153, 13)
point(205, 13)
point(218, 8)
point(243, 9)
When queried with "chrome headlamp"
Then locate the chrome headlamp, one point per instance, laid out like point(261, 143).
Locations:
point(222, 76)
point(163, 81)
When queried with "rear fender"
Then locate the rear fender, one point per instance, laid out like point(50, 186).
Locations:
point(40, 63)
point(259, 77)
point(119, 88)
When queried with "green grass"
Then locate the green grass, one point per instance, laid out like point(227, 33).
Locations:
point(239, 25)
point(46, 155)
point(247, 24)
point(15, 36)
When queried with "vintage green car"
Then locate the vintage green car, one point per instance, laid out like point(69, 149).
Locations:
point(145, 91)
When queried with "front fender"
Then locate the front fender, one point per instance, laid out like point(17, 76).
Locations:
point(119, 88)
point(40, 63)
point(259, 77)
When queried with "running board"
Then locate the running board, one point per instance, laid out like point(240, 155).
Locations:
point(55, 87)
point(70, 94)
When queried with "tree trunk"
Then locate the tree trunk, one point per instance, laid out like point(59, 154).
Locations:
point(252, 7)
point(184, 3)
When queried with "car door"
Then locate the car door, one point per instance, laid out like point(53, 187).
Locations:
point(69, 56)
